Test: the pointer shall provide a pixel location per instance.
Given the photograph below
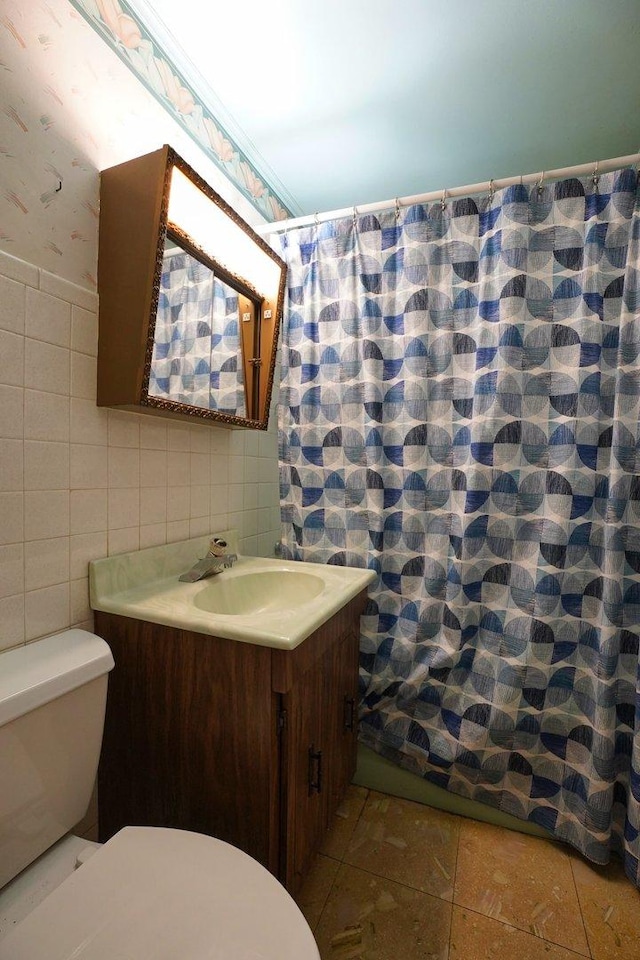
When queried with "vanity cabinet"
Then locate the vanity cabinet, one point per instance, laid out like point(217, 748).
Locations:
point(248, 743)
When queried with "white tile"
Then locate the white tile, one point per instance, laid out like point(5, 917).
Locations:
point(177, 530)
point(46, 465)
point(17, 269)
point(252, 469)
point(47, 318)
point(236, 442)
point(84, 331)
point(236, 469)
point(11, 517)
point(250, 500)
point(200, 439)
point(249, 546)
point(199, 526)
point(219, 522)
point(252, 443)
point(11, 569)
point(124, 508)
point(264, 520)
point(88, 511)
point(153, 535)
point(179, 438)
point(88, 467)
point(12, 305)
point(11, 465)
point(46, 514)
point(153, 468)
point(11, 412)
point(200, 468)
point(153, 505)
point(46, 562)
point(178, 499)
point(89, 424)
point(219, 499)
point(11, 621)
point(235, 497)
point(154, 434)
point(66, 290)
point(84, 547)
point(219, 470)
point(124, 467)
point(11, 359)
point(265, 545)
point(79, 606)
point(268, 494)
point(46, 611)
point(84, 373)
point(46, 367)
point(124, 429)
point(267, 471)
point(46, 416)
point(199, 502)
point(178, 469)
point(124, 540)
point(221, 440)
point(268, 446)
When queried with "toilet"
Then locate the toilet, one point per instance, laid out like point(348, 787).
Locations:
point(149, 893)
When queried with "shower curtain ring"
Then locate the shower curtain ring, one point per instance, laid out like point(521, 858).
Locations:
point(355, 213)
point(492, 191)
point(540, 182)
point(595, 178)
point(443, 202)
point(397, 209)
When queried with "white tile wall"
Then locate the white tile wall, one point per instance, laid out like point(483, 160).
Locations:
point(78, 482)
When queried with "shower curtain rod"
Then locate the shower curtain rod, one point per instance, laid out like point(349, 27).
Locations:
point(595, 168)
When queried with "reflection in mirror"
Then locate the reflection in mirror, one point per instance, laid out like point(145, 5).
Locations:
point(190, 298)
point(197, 352)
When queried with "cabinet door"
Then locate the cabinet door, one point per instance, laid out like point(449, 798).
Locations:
point(303, 768)
point(340, 719)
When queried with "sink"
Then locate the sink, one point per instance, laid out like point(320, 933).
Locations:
point(264, 592)
point(261, 600)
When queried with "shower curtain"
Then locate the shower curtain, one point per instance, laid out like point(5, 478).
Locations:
point(196, 351)
point(459, 412)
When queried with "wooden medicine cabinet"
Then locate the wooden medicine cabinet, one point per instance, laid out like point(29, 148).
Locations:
point(190, 298)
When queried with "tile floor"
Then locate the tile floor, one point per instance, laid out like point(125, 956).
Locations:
point(396, 880)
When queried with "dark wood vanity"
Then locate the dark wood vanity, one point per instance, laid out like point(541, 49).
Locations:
point(248, 743)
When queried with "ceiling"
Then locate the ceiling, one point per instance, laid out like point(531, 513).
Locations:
point(343, 102)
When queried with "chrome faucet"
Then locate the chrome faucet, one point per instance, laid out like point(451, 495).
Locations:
point(216, 560)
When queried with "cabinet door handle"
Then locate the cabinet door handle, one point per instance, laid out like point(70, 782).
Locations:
point(349, 713)
point(315, 770)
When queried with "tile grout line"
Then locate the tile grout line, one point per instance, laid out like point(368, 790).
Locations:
point(584, 926)
point(453, 893)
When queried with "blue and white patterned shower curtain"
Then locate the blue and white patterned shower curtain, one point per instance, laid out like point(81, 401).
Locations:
point(197, 357)
point(459, 411)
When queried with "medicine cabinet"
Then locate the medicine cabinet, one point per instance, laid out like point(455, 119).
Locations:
point(190, 298)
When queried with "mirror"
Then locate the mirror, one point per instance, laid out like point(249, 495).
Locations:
point(190, 300)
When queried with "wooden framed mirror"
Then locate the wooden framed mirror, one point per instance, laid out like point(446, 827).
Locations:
point(190, 298)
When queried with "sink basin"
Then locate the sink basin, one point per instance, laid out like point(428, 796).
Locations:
point(251, 593)
point(261, 600)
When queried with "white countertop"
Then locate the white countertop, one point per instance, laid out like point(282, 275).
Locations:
point(144, 585)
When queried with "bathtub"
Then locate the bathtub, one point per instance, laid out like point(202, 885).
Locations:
point(378, 773)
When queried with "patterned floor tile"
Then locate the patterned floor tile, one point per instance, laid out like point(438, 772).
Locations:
point(313, 894)
point(520, 880)
point(474, 937)
point(344, 823)
point(371, 918)
point(406, 842)
point(611, 909)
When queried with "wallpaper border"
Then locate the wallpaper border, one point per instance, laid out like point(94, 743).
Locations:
point(122, 28)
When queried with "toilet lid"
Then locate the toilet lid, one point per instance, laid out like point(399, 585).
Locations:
point(160, 894)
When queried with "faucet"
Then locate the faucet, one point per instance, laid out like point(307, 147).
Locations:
point(216, 560)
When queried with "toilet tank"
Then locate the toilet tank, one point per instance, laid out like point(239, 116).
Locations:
point(52, 703)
